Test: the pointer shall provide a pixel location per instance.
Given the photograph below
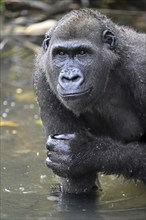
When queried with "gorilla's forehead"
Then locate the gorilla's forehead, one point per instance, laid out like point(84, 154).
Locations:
point(72, 29)
point(72, 43)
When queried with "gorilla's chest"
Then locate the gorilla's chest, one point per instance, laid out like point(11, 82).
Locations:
point(114, 121)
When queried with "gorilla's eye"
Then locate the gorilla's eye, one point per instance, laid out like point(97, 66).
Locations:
point(61, 52)
point(81, 52)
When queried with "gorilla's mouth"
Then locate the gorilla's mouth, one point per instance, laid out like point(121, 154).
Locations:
point(75, 94)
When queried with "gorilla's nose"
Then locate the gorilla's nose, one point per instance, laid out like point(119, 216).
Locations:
point(70, 78)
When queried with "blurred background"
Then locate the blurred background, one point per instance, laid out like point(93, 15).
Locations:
point(29, 190)
point(23, 20)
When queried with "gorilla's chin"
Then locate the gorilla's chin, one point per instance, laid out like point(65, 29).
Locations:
point(76, 104)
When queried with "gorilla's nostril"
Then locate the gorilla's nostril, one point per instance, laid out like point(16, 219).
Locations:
point(75, 78)
point(65, 79)
point(70, 78)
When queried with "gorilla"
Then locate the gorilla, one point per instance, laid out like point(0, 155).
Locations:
point(90, 82)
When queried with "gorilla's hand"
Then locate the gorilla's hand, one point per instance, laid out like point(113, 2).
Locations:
point(81, 154)
point(72, 155)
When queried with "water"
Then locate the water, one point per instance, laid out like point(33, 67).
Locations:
point(29, 190)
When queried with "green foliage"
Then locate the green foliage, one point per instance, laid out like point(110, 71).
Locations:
point(1, 5)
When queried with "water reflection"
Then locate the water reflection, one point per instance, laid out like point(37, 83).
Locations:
point(27, 185)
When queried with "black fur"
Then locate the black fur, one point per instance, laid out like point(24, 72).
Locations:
point(90, 81)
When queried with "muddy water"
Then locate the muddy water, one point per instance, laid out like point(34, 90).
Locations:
point(29, 190)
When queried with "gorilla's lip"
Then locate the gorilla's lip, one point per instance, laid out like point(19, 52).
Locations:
point(75, 94)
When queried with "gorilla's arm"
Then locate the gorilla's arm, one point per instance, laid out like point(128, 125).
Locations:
point(74, 155)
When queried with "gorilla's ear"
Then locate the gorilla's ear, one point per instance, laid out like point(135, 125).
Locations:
point(109, 38)
point(46, 42)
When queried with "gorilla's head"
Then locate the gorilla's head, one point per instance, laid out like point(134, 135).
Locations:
point(80, 52)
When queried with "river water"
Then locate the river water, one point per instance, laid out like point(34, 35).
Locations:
point(29, 190)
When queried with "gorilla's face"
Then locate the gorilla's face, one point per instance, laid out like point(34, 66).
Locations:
point(79, 59)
